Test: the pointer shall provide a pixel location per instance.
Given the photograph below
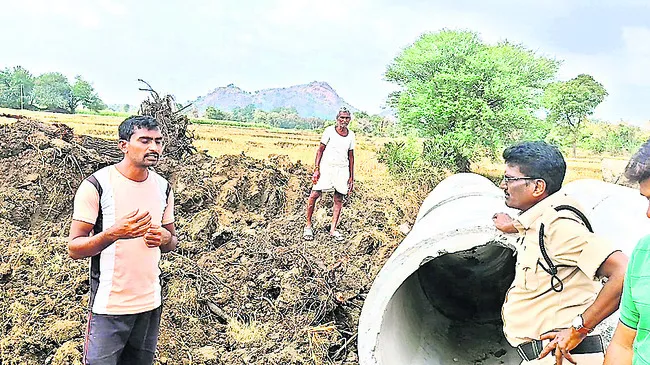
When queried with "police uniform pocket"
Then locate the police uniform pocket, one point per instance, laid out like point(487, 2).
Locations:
point(527, 275)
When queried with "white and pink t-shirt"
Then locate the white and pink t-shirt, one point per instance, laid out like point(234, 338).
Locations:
point(124, 277)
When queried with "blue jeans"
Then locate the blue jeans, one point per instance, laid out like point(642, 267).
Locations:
point(122, 339)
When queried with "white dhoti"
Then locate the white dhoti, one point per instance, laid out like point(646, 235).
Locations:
point(333, 178)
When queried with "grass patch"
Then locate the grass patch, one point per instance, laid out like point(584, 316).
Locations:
point(229, 123)
point(106, 113)
point(246, 333)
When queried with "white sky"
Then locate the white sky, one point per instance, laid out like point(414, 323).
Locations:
point(189, 48)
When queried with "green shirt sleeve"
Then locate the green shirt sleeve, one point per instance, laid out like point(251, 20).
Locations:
point(628, 311)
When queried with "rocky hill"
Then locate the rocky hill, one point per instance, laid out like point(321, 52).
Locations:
point(316, 99)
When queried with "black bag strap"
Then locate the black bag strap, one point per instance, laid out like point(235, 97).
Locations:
point(100, 221)
point(93, 180)
point(556, 283)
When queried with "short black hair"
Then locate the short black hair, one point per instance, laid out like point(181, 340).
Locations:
point(130, 124)
point(540, 160)
point(638, 169)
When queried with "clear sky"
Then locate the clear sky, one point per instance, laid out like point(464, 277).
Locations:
point(190, 47)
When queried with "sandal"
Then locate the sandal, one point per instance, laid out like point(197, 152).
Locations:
point(337, 236)
point(308, 234)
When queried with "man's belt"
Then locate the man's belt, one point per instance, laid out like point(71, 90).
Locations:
point(590, 345)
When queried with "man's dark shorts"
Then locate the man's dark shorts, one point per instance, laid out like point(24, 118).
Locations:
point(123, 339)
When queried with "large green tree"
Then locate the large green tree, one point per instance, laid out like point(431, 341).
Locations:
point(465, 96)
point(52, 91)
point(16, 88)
point(570, 102)
point(82, 92)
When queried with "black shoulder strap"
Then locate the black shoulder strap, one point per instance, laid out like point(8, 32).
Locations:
point(169, 190)
point(93, 180)
point(578, 213)
point(100, 221)
point(556, 283)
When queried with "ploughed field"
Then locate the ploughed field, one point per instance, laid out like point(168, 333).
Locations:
point(243, 287)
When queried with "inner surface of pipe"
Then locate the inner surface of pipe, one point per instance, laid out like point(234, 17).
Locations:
point(469, 285)
point(449, 311)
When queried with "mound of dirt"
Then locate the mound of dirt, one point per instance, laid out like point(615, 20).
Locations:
point(242, 288)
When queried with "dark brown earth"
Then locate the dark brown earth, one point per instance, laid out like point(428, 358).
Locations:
point(243, 287)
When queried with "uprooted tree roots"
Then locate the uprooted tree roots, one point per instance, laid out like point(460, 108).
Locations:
point(242, 288)
point(173, 124)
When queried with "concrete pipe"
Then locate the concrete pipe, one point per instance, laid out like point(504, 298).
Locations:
point(438, 298)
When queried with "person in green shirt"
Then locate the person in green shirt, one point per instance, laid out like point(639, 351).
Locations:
point(631, 342)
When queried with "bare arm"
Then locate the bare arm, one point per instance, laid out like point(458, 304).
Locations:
point(319, 155)
point(170, 242)
point(81, 245)
point(351, 159)
point(504, 223)
point(620, 350)
point(609, 297)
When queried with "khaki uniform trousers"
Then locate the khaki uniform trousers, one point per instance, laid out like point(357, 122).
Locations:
point(581, 359)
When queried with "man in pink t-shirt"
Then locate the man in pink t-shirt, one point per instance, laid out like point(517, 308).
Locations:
point(123, 220)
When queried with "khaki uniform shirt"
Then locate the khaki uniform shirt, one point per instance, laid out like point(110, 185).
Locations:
point(531, 306)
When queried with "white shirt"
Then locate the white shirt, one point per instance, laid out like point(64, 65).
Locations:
point(336, 152)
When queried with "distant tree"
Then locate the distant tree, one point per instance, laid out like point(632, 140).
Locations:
point(213, 113)
point(248, 111)
point(570, 102)
point(244, 114)
point(16, 88)
point(82, 92)
point(371, 124)
point(286, 110)
point(237, 114)
point(52, 91)
point(261, 117)
point(126, 108)
point(466, 97)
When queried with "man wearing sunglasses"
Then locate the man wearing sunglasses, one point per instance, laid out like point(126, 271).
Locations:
point(631, 342)
point(556, 298)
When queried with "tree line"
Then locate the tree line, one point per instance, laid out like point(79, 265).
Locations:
point(290, 119)
point(51, 91)
point(467, 99)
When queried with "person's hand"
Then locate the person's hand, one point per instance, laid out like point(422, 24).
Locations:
point(132, 225)
point(156, 236)
point(504, 223)
point(315, 176)
point(563, 342)
point(350, 185)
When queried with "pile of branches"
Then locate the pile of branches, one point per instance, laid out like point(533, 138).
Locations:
point(173, 124)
